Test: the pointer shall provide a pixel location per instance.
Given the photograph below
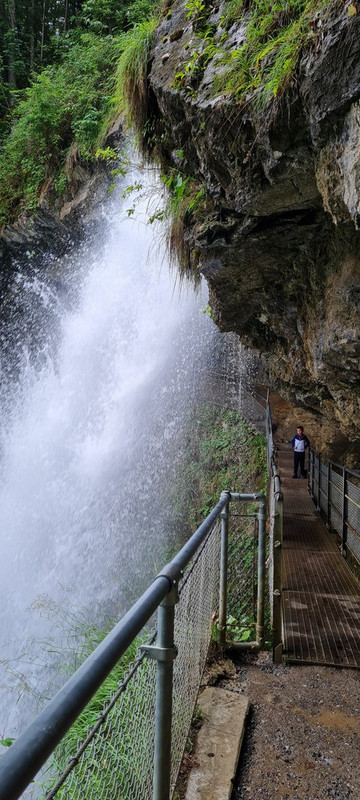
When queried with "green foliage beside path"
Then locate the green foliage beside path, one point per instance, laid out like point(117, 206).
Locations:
point(222, 451)
point(111, 749)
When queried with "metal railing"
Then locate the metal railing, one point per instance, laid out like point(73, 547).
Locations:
point(276, 516)
point(335, 490)
point(134, 746)
point(253, 406)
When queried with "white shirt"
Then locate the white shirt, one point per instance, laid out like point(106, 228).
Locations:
point(299, 445)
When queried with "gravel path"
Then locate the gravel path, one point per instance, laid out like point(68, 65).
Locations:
point(302, 737)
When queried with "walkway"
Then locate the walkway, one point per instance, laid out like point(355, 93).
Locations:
point(321, 596)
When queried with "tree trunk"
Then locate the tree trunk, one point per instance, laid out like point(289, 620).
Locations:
point(66, 15)
point(42, 31)
point(12, 48)
point(32, 35)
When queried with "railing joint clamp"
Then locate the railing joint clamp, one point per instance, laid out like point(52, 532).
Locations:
point(159, 653)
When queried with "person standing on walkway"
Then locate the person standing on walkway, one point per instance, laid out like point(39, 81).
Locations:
point(299, 443)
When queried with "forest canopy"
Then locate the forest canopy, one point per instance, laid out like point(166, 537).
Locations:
point(34, 33)
point(57, 87)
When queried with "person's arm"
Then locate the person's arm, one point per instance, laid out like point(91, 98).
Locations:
point(307, 443)
point(293, 442)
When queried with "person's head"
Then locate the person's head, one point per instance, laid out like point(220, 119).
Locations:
point(300, 430)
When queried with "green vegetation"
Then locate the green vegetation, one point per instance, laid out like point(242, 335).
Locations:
point(276, 33)
point(265, 64)
point(99, 60)
point(65, 104)
point(117, 756)
point(132, 94)
point(187, 198)
point(223, 451)
point(87, 62)
point(35, 34)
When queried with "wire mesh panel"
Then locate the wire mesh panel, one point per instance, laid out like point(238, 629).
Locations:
point(316, 476)
point(353, 493)
point(108, 754)
point(336, 500)
point(271, 547)
point(353, 518)
point(116, 759)
point(323, 500)
point(242, 567)
point(198, 601)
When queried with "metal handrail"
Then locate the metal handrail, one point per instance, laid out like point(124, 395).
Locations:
point(335, 502)
point(23, 760)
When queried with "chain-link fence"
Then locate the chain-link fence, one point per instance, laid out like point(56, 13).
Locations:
point(242, 569)
point(114, 759)
point(115, 747)
point(198, 600)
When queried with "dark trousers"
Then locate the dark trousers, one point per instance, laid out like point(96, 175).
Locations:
point(299, 460)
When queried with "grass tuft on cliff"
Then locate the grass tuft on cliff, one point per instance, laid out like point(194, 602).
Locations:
point(276, 33)
point(273, 37)
point(131, 76)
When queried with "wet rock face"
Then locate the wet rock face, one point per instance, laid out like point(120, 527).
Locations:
point(281, 252)
point(60, 221)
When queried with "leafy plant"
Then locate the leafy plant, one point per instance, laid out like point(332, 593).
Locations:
point(276, 32)
point(64, 103)
point(68, 107)
point(7, 742)
point(223, 452)
point(198, 11)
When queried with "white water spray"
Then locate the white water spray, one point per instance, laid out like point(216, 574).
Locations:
point(90, 430)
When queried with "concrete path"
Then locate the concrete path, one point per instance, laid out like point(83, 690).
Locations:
point(218, 744)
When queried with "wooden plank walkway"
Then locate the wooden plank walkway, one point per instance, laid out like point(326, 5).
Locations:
point(321, 596)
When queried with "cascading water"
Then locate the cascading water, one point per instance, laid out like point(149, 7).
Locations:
point(96, 383)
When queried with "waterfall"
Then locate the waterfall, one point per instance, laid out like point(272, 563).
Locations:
point(102, 356)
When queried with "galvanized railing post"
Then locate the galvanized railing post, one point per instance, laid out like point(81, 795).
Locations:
point(328, 511)
point(164, 652)
point(223, 572)
point(318, 499)
point(313, 475)
point(261, 577)
point(277, 577)
point(344, 516)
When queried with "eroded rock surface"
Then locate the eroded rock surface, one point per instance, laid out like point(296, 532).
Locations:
point(281, 250)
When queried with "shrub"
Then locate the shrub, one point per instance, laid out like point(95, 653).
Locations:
point(64, 103)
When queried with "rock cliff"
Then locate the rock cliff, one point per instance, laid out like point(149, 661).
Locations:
point(281, 248)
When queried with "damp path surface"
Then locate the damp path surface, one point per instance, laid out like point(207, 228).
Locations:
point(320, 594)
point(302, 738)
